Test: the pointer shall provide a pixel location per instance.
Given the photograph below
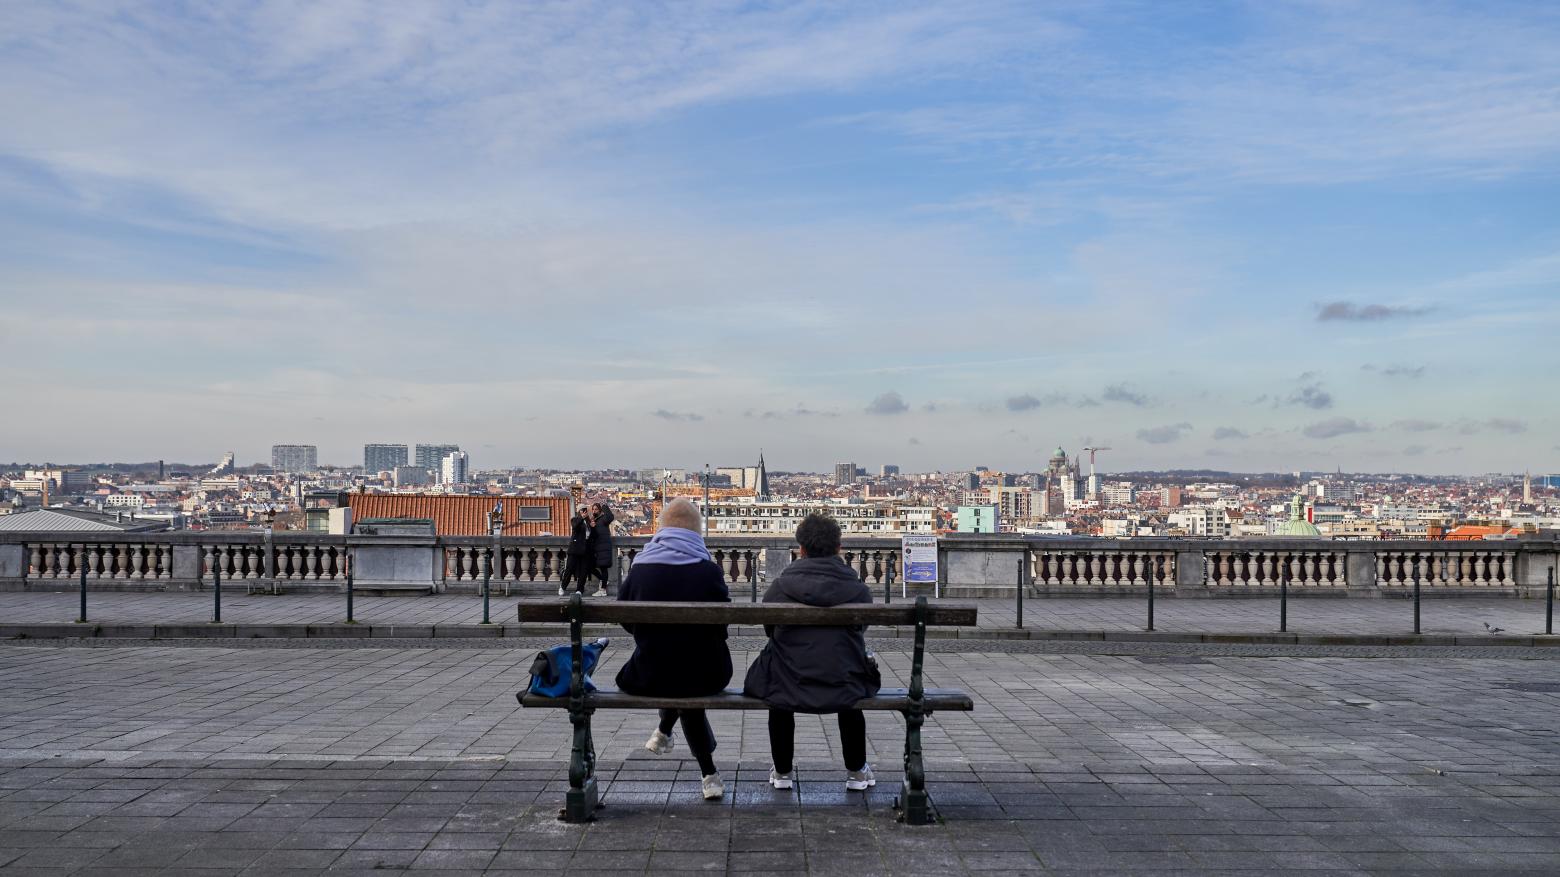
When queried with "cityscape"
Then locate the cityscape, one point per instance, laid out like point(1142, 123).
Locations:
point(1068, 495)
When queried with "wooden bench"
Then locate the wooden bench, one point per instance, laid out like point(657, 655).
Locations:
point(915, 702)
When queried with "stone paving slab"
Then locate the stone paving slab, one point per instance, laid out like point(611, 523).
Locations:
point(156, 759)
point(181, 817)
point(1088, 617)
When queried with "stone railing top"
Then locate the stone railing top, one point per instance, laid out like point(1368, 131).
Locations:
point(955, 542)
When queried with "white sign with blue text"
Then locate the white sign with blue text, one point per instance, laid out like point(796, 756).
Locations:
point(920, 561)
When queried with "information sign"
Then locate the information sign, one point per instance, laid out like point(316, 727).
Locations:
point(919, 561)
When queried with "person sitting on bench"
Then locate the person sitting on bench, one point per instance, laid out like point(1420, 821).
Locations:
point(677, 660)
point(816, 669)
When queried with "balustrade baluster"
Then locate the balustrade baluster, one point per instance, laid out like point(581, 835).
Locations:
point(532, 565)
point(748, 560)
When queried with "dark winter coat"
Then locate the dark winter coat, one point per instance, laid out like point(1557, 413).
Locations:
point(579, 543)
point(814, 669)
point(600, 538)
point(676, 660)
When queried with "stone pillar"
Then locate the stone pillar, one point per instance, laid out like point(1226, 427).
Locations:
point(775, 562)
point(1360, 568)
point(186, 564)
point(1191, 570)
point(13, 562)
point(389, 561)
point(1533, 564)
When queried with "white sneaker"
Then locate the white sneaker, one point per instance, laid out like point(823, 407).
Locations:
point(563, 592)
point(860, 780)
point(713, 788)
point(602, 592)
point(659, 743)
point(779, 780)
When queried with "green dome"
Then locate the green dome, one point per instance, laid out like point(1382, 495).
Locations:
point(1297, 525)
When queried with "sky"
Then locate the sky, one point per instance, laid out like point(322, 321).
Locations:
point(1258, 236)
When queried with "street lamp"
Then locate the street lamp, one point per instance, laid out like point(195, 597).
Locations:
point(706, 515)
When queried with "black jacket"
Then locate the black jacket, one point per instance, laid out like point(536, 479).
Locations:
point(600, 538)
point(578, 533)
point(676, 660)
point(814, 669)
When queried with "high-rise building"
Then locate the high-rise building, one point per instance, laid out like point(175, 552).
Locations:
point(294, 458)
point(844, 473)
point(453, 468)
point(888, 470)
point(383, 458)
point(432, 456)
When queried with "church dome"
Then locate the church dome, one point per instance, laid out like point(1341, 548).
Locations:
point(1297, 525)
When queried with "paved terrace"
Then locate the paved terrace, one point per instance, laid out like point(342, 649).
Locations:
point(1052, 617)
point(330, 756)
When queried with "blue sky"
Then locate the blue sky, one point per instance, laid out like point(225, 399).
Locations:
point(1253, 236)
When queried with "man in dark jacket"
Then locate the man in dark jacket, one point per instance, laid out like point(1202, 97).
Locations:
point(816, 669)
point(579, 562)
point(678, 660)
point(600, 542)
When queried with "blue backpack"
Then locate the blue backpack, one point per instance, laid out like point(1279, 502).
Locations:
point(553, 669)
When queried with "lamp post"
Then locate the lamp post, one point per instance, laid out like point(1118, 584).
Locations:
point(495, 527)
point(706, 515)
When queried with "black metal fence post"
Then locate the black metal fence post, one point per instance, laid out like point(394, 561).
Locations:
point(487, 575)
point(1020, 624)
point(350, 572)
point(83, 617)
point(1416, 604)
point(1151, 599)
point(216, 598)
point(1283, 600)
point(1549, 605)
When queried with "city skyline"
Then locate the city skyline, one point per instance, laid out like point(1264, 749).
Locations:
point(1241, 236)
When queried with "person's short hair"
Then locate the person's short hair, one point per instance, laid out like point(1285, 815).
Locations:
point(819, 535)
point(681, 512)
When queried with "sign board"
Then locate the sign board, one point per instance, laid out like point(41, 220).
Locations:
point(919, 560)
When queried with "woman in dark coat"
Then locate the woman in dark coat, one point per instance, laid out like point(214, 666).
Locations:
point(676, 660)
point(816, 669)
point(600, 542)
point(579, 561)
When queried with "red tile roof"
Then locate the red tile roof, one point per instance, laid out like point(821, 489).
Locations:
point(464, 515)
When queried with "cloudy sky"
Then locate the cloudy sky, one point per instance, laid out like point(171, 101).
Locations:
point(1251, 236)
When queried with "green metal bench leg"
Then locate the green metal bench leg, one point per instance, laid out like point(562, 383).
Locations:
point(582, 801)
point(915, 807)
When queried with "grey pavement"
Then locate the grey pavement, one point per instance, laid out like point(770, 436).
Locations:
point(148, 758)
point(1453, 616)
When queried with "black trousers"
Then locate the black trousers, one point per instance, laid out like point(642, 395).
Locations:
point(782, 739)
point(576, 567)
point(698, 733)
point(600, 572)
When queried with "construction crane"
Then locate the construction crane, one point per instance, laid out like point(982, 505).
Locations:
point(1092, 452)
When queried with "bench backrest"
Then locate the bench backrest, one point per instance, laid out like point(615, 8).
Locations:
point(646, 612)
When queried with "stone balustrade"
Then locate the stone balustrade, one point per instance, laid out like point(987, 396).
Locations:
point(969, 565)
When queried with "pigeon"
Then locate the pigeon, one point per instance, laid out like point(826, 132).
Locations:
point(1493, 629)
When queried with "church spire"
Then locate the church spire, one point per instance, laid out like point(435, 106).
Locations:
point(761, 486)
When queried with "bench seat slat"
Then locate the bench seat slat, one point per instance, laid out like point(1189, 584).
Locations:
point(733, 699)
point(647, 612)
